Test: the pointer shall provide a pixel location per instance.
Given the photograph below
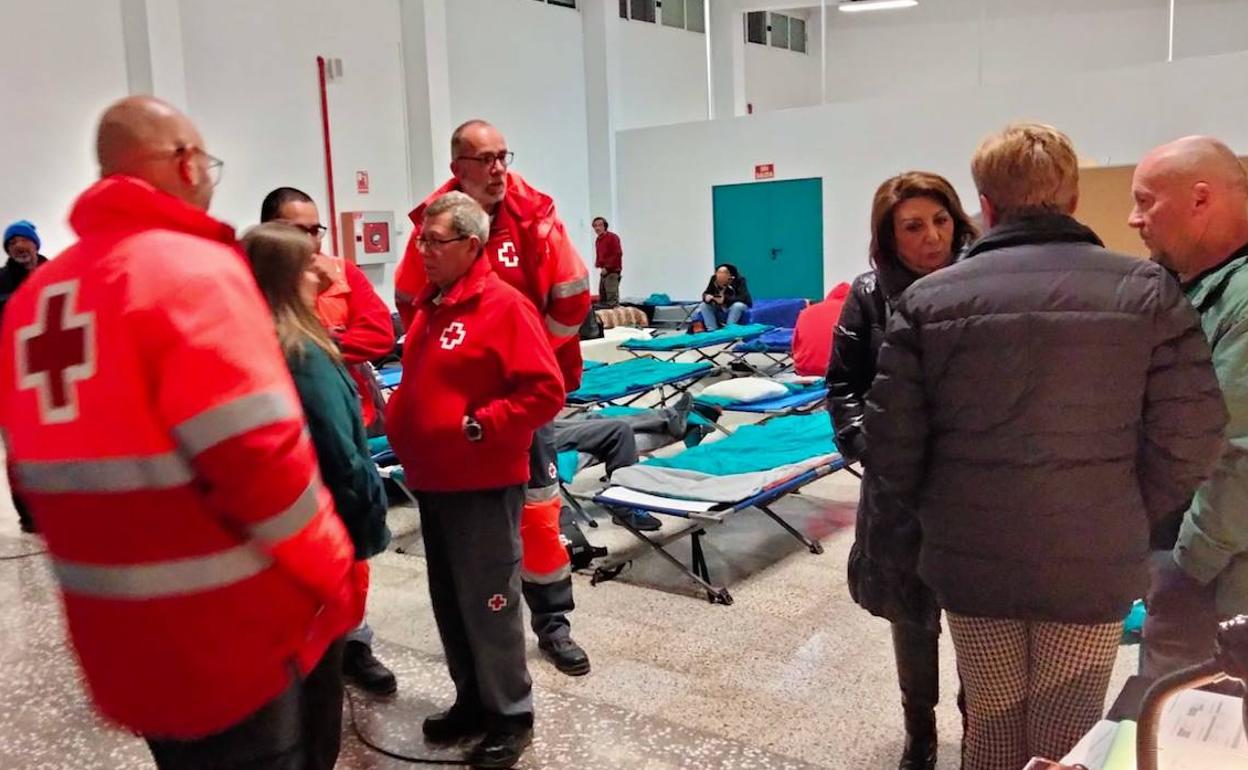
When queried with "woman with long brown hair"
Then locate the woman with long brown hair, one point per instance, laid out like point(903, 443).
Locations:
point(918, 226)
point(281, 258)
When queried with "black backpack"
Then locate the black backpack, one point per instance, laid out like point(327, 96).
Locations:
point(579, 549)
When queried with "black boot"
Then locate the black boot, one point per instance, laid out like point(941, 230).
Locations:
point(360, 666)
point(920, 750)
point(454, 725)
point(502, 746)
point(566, 654)
point(918, 672)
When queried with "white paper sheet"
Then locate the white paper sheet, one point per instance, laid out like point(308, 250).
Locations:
point(626, 496)
point(1198, 731)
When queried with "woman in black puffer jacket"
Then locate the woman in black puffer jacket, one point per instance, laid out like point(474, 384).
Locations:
point(917, 227)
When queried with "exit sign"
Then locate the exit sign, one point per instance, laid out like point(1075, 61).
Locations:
point(764, 170)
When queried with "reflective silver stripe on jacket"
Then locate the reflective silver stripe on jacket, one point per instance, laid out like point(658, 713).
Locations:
point(541, 494)
point(233, 418)
point(547, 578)
point(570, 288)
point(114, 474)
point(159, 580)
point(561, 330)
point(289, 522)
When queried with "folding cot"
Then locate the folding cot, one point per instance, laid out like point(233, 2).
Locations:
point(707, 484)
point(389, 377)
point(626, 382)
point(801, 398)
point(670, 347)
point(775, 345)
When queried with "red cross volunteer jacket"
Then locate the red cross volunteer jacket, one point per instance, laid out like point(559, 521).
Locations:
point(476, 350)
point(359, 322)
point(529, 249)
point(154, 431)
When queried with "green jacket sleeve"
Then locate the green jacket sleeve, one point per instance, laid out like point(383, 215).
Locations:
point(1215, 529)
point(333, 414)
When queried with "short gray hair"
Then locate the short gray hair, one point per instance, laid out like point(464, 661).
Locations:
point(467, 217)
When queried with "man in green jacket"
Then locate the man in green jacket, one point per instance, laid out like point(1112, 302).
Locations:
point(1191, 208)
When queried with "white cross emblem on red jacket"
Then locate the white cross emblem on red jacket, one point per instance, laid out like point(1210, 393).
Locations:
point(453, 336)
point(507, 254)
point(496, 603)
point(56, 351)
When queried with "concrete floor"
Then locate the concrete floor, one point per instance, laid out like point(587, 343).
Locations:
point(792, 675)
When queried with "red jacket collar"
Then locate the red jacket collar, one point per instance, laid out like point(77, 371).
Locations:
point(123, 204)
point(525, 203)
point(471, 284)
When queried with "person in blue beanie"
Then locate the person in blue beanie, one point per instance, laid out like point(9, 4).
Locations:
point(21, 243)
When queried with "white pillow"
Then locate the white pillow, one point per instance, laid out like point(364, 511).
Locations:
point(746, 390)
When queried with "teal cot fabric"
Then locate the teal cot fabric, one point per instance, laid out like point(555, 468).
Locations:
point(589, 365)
point(700, 340)
point(658, 299)
point(378, 444)
point(794, 388)
point(567, 462)
point(626, 377)
point(754, 448)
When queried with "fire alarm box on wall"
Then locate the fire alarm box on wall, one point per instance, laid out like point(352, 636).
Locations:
point(368, 237)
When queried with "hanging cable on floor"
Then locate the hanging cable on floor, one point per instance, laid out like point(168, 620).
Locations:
point(15, 557)
point(359, 734)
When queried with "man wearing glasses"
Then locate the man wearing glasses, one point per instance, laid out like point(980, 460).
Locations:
point(529, 249)
point(348, 305)
point(155, 433)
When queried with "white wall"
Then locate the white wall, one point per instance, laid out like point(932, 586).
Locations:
point(1113, 116)
point(663, 75)
point(520, 65)
point(952, 44)
point(777, 79)
point(251, 83)
point(64, 61)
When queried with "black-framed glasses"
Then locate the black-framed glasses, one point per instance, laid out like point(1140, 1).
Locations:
point(316, 231)
point(425, 243)
point(489, 159)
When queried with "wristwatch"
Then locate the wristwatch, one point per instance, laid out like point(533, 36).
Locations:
point(473, 429)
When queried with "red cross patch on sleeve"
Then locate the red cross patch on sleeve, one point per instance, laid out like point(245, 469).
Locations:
point(56, 352)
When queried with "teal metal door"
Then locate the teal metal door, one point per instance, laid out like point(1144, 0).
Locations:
point(773, 233)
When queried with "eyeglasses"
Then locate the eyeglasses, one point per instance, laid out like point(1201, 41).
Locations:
point(425, 243)
point(506, 158)
point(316, 231)
point(213, 165)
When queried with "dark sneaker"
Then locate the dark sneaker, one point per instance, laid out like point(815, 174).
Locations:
point(501, 747)
point(366, 672)
point(639, 520)
point(567, 656)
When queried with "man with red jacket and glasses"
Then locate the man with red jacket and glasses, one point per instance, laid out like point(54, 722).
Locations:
point(348, 305)
point(154, 431)
point(479, 379)
point(529, 249)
